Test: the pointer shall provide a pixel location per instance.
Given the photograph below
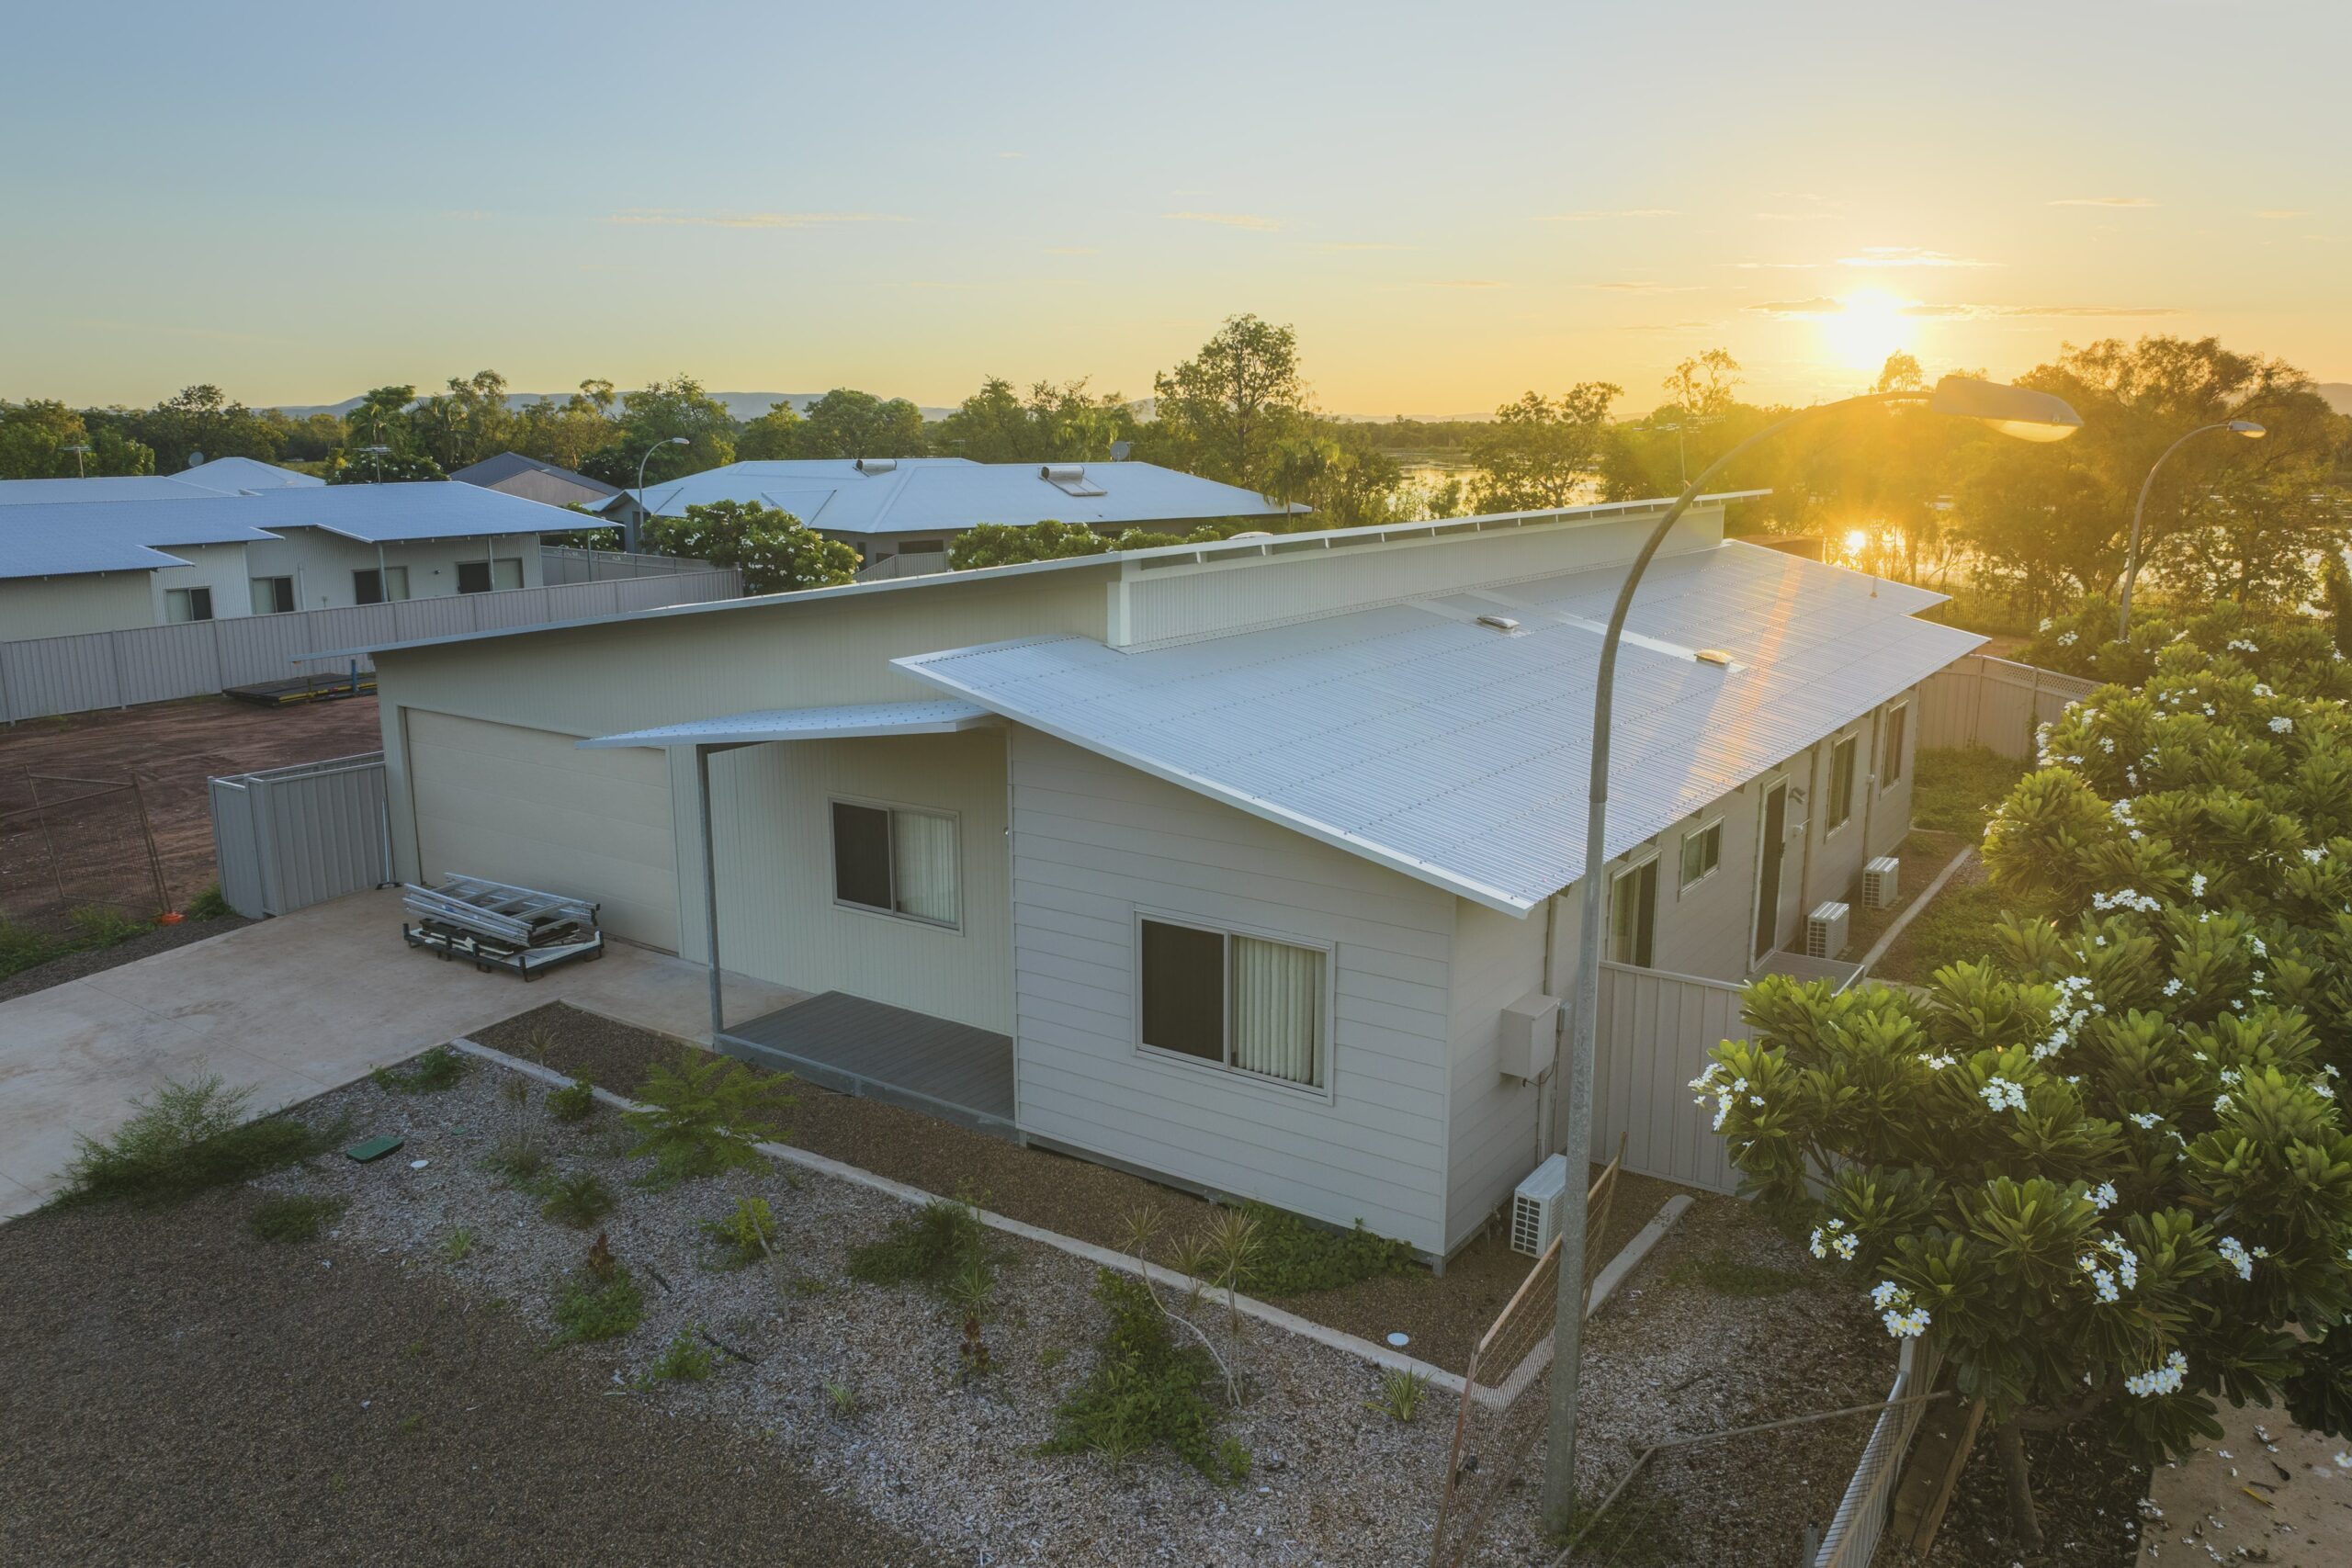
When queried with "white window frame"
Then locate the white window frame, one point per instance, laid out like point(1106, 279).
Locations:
point(1225, 1072)
point(1854, 784)
point(293, 601)
point(833, 862)
point(187, 596)
point(1646, 855)
point(1901, 771)
point(1698, 830)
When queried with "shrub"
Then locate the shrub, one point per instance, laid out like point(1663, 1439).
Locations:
point(298, 1218)
point(1400, 1396)
point(576, 1101)
point(703, 1113)
point(591, 1310)
point(1146, 1390)
point(685, 1359)
point(746, 1235)
point(520, 1155)
point(191, 1136)
point(98, 925)
point(579, 1200)
point(931, 1247)
point(1290, 1256)
point(458, 1244)
point(844, 1400)
point(209, 905)
point(437, 1069)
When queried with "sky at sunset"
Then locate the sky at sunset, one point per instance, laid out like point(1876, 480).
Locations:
point(1452, 203)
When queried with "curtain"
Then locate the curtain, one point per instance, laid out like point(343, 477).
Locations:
point(1277, 1009)
point(922, 856)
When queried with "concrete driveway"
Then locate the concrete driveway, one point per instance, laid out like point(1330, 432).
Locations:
point(293, 1007)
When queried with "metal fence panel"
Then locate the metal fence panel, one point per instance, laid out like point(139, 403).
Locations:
point(288, 838)
point(1655, 1030)
point(563, 564)
point(1981, 701)
point(236, 849)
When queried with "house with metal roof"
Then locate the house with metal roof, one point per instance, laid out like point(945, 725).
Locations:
point(545, 482)
point(901, 514)
point(1243, 865)
point(107, 554)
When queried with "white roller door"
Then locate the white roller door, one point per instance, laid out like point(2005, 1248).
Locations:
point(524, 806)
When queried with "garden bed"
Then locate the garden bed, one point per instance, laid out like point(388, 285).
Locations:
point(1444, 1315)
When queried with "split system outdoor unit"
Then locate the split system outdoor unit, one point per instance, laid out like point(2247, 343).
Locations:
point(1880, 881)
point(1825, 931)
point(1535, 1207)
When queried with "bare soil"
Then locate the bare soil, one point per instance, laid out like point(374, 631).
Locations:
point(181, 1393)
point(1444, 1315)
point(94, 846)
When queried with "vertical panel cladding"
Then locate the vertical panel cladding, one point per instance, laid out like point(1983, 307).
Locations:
point(1094, 843)
point(325, 832)
point(1656, 1034)
point(1492, 1131)
point(777, 916)
point(236, 847)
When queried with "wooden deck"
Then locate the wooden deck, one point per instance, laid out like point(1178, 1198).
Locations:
point(839, 1041)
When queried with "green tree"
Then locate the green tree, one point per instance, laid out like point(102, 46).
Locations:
point(776, 553)
point(203, 418)
point(2106, 1168)
point(1220, 412)
point(36, 436)
point(1000, 543)
point(465, 423)
point(849, 423)
point(567, 434)
point(649, 420)
point(1541, 452)
point(775, 436)
point(383, 468)
point(380, 419)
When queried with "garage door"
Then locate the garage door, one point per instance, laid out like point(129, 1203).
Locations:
point(523, 806)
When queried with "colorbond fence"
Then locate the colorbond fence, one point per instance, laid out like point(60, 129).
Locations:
point(1981, 701)
point(289, 838)
point(42, 676)
point(1655, 1030)
point(563, 564)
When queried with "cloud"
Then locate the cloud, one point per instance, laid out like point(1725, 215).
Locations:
point(1775, 266)
point(478, 215)
point(1644, 286)
point(2084, 310)
point(670, 217)
point(2284, 212)
point(1906, 255)
point(1336, 246)
point(1819, 305)
point(1073, 251)
point(1465, 283)
point(1012, 154)
point(1603, 216)
point(1667, 326)
point(1224, 220)
point(2104, 201)
point(1932, 312)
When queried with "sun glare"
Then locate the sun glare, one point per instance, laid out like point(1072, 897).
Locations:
point(1869, 326)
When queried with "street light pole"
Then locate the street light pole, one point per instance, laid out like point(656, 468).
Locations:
point(629, 538)
point(2035, 416)
point(2244, 427)
point(79, 449)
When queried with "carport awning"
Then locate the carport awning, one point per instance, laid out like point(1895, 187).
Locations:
point(932, 716)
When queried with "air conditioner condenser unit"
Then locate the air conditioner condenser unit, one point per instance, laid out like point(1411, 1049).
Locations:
point(1880, 880)
point(1535, 1207)
point(1825, 931)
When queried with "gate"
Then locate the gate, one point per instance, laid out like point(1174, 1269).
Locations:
point(292, 836)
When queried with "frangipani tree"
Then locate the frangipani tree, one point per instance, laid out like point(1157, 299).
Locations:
point(2107, 1166)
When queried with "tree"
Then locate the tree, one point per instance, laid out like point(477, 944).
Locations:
point(465, 422)
point(380, 419)
point(1000, 543)
point(2107, 1166)
point(384, 468)
point(569, 433)
point(991, 426)
point(772, 548)
point(35, 435)
point(202, 419)
point(774, 436)
point(1543, 452)
point(849, 423)
point(1702, 386)
point(649, 420)
point(1220, 412)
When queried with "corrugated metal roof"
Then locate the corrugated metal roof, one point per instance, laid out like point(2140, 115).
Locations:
point(939, 495)
point(491, 472)
point(937, 716)
point(234, 475)
point(62, 538)
point(99, 488)
point(424, 509)
point(1458, 753)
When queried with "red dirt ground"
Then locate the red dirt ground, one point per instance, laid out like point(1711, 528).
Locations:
point(171, 749)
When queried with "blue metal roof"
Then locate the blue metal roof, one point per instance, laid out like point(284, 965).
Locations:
point(936, 715)
point(1458, 752)
point(424, 509)
point(236, 474)
point(60, 539)
point(919, 496)
point(104, 487)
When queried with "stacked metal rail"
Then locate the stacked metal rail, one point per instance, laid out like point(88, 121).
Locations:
point(497, 926)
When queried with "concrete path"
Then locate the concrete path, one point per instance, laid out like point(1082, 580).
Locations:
point(293, 1007)
point(2268, 1492)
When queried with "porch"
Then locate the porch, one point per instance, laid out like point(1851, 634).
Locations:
point(954, 1071)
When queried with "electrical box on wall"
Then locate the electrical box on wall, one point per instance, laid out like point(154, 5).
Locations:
point(1530, 1031)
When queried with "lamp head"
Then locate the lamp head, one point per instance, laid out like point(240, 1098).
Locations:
point(679, 441)
point(2248, 429)
point(2013, 410)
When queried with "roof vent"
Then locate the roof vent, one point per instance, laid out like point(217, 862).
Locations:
point(1069, 478)
point(1713, 656)
point(1500, 622)
point(876, 464)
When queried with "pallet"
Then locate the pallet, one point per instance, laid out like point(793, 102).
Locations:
point(485, 953)
point(303, 689)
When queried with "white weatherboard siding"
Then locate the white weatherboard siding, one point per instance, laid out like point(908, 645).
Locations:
point(86, 602)
point(322, 563)
point(1497, 960)
point(1094, 842)
point(523, 806)
point(777, 920)
point(220, 568)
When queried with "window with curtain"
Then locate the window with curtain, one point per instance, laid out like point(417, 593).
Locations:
point(1898, 719)
point(1841, 782)
point(1243, 1002)
point(896, 862)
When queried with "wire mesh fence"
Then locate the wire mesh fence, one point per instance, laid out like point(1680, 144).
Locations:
point(69, 844)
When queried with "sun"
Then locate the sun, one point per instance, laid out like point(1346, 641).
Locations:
point(1869, 325)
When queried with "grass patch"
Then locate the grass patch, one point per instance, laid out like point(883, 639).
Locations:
point(685, 1359)
point(1956, 927)
point(25, 946)
point(1145, 1391)
point(1954, 790)
point(1720, 1274)
point(931, 1247)
point(1293, 1257)
point(590, 1309)
point(190, 1137)
point(437, 1069)
point(209, 905)
point(299, 1218)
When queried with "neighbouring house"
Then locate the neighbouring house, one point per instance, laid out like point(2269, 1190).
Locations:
point(534, 480)
point(131, 552)
point(1244, 865)
point(223, 476)
point(901, 514)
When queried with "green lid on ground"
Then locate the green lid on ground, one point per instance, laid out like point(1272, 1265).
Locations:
point(374, 1148)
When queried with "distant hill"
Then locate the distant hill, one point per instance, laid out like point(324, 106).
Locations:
point(741, 405)
point(2338, 395)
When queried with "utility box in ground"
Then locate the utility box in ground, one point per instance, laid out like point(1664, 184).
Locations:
point(1530, 1031)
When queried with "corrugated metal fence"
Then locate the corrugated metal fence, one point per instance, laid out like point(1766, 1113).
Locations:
point(40, 676)
point(1863, 1511)
point(1980, 701)
point(292, 836)
point(563, 564)
point(1655, 1030)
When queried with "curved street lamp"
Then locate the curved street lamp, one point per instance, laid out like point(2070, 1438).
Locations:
point(2013, 410)
point(2244, 427)
point(629, 534)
